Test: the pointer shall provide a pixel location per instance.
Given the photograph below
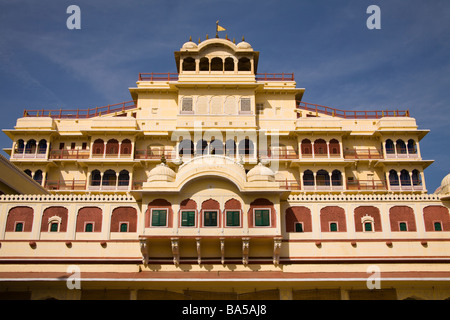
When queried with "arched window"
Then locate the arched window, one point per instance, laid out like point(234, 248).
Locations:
point(216, 147)
point(336, 178)
point(124, 178)
point(230, 148)
point(20, 145)
point(412, 148)
point(42, 146)
point(320, 147)
point(308, 178)
point(125, 147)
point(109, 178)
point(112, 147)
point(188, 64)
point(186, 148)
point(216, 64)
point(416, 179)
point(405, 178)
point(28, 172)
point(334, 148)
point(322, 178)
point(401, 147)
point(202, 147)
point(98, 147)
point(31, 146)
point(244, 64)
point(306, 147)
point(390, 147)
point(393, 178)
point(38, 176)
point(96, 177)
point(246, 147)
point(229, 64)
point(204, 64)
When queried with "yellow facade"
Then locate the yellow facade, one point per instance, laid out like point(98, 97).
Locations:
point(219, 182)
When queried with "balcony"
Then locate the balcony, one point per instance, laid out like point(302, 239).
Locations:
point(81, 113)
point(279, 154)
point(406, 185)
point(167, 76)
point(323, 185)
point(367, 185)
point(392, 153)
point(40, 154)
point(349, 114)
point(153, 154)
point(367, 153)
point(69, 154)
point(65, 185)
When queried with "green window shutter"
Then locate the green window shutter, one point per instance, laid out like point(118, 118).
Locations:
point(19, 227)
point(236, 218)
point(266, 218)
point(188, 218)
point(210, 218)
point(437, 226)
point(333, 227)
point(230, 219)
point(367, 226)
point(159, 218)
point(89, 227)
point(123, 227)
point(191, 218)
point(298, 227)
point(155, 218)
point(184, 219)
point(54, 227)
point(403, 226)
point(262, 218)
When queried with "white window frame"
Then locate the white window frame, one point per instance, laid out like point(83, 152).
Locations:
point(254, 218)
point(181, 218)
point(151, 217)
point(203, 218)
point(225, 218)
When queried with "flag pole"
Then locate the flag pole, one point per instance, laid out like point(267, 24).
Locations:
point(217, 28)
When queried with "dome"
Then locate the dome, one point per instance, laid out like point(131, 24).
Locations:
point(244, 45)
point(446, 180)
point(161, 172)
point(260, 173)
point(445, 186)
point(189, 45)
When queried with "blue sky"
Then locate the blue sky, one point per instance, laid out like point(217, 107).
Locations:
point(340, 62)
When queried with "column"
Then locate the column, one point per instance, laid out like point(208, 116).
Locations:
point(388, 182)
point(315, 180)
point(328, 149)
point(101, 181)
point(422, 175)
point(118, 151)
point(418, 150)
point(104, 150)
point(117, 180)
point(48, 150)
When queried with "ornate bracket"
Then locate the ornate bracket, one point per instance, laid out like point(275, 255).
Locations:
point(199, 254)
point(245, 250)
point(144, 250)
point(175, 251)
point(222, 250)
point(276, 251)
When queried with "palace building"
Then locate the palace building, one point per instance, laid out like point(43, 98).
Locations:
point(219, 182)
